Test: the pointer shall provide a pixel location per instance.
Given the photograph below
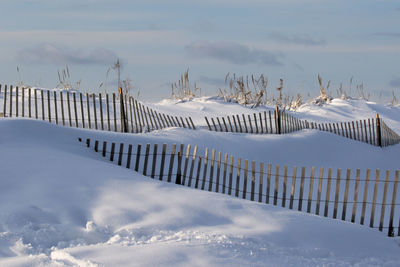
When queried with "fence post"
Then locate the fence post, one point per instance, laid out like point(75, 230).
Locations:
point(378, 130)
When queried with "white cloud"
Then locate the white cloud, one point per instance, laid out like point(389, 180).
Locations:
point(301, 39)
point(54, 54)
point(233, 52)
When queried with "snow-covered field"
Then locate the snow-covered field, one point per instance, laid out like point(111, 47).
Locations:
point(63, 205)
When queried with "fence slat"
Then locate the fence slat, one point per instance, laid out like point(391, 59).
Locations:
point(5, 101)
point(317, 208)
point(383, 206)
point(215, 126)
point(171, 162)
point(245, 179)
point(230, 123)
point(276, 184)
point(23, 101)
point(55, 105)
point(101, 112)
point(310, 189)
point(192, 166)
point(115, 113)
point(94, 111)
point(253, 180)
point(198, 173)
point(353, 214)
point(82, 114)
point(75, 110)
point(210, 181)
point(238, 178)
point(121, 151)
point(48, 104)
point(185, 167)
point(250, 124)
point(238, 120)
point(17, 101)
point(335, 208)
point(244, 123)
point(261, 123)
point(303, 174)
point(293, 187)
point(268, 183)
point(391, 230)
point(260, 187)
point(42, 99)
point(154, 162)
point(138, 151)
point(371, 222)
point(164, 151)
point(112, 151)
point(219, 123)
point(108, 113)
point(203, 182)
point(285, 172)
point(218, 172)
point(226, 128)
point(30, 104)
point(88, 110)
point(128, 160)
point(225, 170)
point(364, 203)
point(346, 195)
point(328, 191)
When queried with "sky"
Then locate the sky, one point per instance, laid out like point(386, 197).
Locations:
point(158, 40)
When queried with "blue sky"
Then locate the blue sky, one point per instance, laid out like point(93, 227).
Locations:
point(158, 40)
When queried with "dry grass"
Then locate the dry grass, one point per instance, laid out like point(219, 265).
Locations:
point(184, 89)
point(64, 80)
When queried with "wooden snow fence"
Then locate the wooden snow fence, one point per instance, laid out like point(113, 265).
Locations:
point(363, 197)
point(111, 112)
point(371, 131)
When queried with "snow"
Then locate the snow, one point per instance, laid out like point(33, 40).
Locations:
point(61, 204)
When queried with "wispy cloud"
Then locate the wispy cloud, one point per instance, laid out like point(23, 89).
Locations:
point(303, 39)
point(54, 54)
point(395, 83)
point(388, 34)
point(233, 52)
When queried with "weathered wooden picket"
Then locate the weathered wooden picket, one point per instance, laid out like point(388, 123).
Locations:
point(110, 112)
point(278, 186)
point(370, 131)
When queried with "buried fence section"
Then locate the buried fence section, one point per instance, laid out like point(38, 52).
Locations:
point(348, 195)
